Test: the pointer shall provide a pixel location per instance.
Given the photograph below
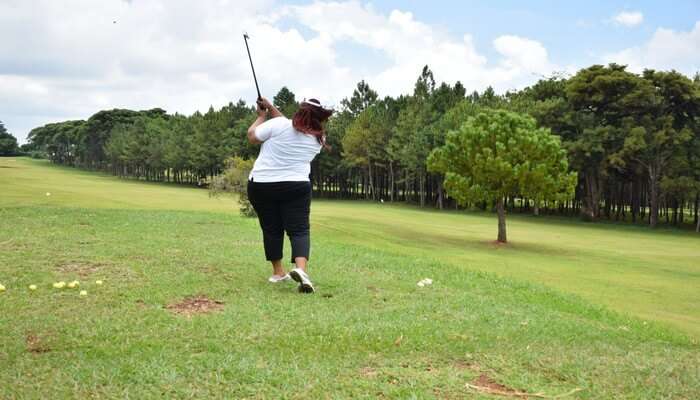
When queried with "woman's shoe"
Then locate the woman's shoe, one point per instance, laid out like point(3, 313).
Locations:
point(278, 279)
point(305, 285)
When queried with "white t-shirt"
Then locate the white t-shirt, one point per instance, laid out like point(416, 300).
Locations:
point(286, 153)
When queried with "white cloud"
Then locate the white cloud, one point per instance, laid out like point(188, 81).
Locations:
point(629, 18)
point(69, 59)
point(667, 49)
point(410, 44)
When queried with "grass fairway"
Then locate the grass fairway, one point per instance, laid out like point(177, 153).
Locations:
point(370, 331)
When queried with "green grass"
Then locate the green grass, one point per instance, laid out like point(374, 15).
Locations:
point(369, 332)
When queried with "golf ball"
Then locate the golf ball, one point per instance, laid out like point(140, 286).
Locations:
point(59, 285)
point(421, 284)
point(48, 194)
point(32, 287)
point(98, 282)
point(2, 288)
point(83, 292)
point(73, 284)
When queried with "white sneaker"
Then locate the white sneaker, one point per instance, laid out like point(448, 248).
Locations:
point(305, 285)
point(278, 279)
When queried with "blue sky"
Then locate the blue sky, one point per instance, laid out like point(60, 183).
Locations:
point(69, 59)
point(574, 33)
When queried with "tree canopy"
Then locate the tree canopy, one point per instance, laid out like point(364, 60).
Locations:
point(8, 143)
point(497, 154)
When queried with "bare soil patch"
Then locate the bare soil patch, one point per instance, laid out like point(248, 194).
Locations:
point(193, 305)
point(36, 344)
point(80, 268)
point(369, 372)
point(485, 381)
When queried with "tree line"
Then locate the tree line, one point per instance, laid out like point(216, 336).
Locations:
point(633, 141)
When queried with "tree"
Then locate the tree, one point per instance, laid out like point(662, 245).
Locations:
point(362, 97)
point(365, 142)
point(661, 128)
point(412, 141)
point(599, 98)
point(498, 154)
point(286, 102)
point(8, 143)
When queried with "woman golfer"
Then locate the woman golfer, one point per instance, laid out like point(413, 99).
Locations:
point(279, 187)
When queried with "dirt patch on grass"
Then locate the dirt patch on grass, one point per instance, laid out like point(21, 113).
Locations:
point(193, 305)
point(461, 365)
point(85, 269)
point(36, 344)
point(369, 372)
point(80, 268)
point(486, 381)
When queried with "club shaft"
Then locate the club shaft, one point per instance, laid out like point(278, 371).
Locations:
point(252, 67)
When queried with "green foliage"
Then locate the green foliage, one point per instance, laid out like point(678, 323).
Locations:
point(362, 97)
point(286, 102)
point(234, 179)
point(8, 143)
point(500, 153)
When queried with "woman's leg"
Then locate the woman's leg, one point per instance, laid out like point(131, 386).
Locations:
point(277, 268)
point(270, 219)
point(301, 262)
point(295, 219)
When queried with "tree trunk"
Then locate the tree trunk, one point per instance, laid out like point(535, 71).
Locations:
point(653, 197)
point(391, 182)
point(439, 193)
point(500, 209)
point(592, 201)
point(697, 203)
point(421, 188)
point(371, 181)
point(536, 207)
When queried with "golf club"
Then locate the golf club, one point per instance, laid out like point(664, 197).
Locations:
point(245, 38)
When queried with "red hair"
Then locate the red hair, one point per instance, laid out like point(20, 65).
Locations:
point(309, 119)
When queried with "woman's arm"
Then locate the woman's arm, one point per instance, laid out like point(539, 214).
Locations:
point(264, 107)
point(274, 112)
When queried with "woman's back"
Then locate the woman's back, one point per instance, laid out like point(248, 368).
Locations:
point(285, 154)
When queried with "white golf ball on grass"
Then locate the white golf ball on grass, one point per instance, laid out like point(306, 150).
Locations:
point(59, 285)
point(2, 287)
point(32, 287)
point(98, 282)
point(83, 292)
point(73, 284)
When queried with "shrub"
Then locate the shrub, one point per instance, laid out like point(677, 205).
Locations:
point(234, 179)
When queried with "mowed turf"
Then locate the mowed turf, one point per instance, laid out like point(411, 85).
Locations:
point(652, 274)
point(369, 331)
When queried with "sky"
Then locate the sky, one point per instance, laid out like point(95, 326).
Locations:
point(68, 59)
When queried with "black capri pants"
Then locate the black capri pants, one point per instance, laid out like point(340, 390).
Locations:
point(282, 206)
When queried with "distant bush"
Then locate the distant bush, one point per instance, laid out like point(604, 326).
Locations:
point(38, 154)
point(234, 179)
